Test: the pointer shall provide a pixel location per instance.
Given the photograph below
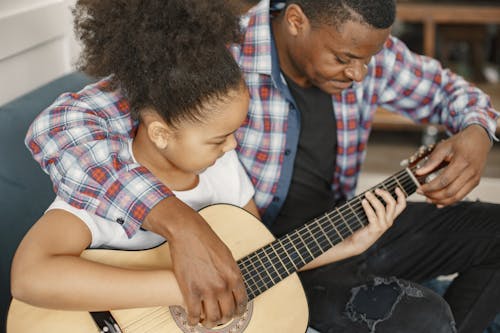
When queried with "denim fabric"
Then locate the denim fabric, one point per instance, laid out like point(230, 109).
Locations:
point(362, 294)
point(440, 286)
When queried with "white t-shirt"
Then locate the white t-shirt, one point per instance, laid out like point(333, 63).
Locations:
point(224, 182)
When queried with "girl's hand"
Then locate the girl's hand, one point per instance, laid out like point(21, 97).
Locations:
point(381, 216)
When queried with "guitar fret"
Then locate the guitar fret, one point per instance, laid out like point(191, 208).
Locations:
point(324, 233)
point(334, 226)
point(346, 223)
point(401, 187)
point(299, 256)
point(279, 277)
point(260, 280)
point(305, 244)
point(247, 275)
point(355, 215)
point(264, 267)
point(279, 258)
point(295, 268)
point(320, 249)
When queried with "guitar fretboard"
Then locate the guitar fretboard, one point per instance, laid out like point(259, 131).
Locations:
point(272, 263)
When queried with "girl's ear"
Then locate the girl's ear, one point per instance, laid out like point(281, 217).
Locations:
point(158, 133)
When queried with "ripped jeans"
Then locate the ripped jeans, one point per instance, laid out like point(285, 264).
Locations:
point(372, 293)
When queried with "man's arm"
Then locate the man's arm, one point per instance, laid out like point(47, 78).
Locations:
point(419, 88)
point(85, 153)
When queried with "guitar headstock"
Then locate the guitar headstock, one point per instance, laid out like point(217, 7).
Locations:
point(418, 159)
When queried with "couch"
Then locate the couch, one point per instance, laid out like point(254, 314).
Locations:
point(25, 191)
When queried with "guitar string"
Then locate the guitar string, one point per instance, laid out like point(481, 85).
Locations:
point(318, 241)
point(304, 241)
point(316, 227)
point(344, 230)
point(148, 317)
point(329, 215)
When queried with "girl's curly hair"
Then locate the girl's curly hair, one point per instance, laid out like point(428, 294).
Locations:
point(169, 55)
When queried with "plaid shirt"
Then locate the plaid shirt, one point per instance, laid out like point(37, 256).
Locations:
point(397, 80)
point(80, 140)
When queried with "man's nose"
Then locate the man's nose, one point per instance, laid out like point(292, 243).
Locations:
point(357, 71)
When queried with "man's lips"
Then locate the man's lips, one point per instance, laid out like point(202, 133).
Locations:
point(341, 84)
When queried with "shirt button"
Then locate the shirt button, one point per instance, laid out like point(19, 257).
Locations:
point(120, 220)
point(287, 152)
point(276, 199)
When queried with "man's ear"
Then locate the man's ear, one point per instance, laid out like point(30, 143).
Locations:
point(158, 133)
point(295, 19)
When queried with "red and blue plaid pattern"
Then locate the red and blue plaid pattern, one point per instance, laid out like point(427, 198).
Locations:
point(398, 80)
point(81, 139)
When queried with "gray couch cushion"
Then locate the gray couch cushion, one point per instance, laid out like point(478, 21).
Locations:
point(25, 191)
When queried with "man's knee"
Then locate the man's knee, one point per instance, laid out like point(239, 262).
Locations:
point(393, 305)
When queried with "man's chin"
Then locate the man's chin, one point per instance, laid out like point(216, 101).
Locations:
point(331, 90)
point(334, 87)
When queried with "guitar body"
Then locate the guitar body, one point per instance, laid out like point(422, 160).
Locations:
point(282, 308)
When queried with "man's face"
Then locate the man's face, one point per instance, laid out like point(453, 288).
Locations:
point(332, 58)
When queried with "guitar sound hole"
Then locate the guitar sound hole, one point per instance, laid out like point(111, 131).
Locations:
point(236, 325)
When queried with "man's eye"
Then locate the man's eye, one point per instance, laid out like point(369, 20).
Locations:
point(340, 61)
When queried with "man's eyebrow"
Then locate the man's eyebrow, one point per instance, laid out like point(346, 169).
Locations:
point(350, 55)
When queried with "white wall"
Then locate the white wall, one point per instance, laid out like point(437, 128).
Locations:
point(36, 44)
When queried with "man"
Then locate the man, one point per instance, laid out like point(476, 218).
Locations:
point(317, 70)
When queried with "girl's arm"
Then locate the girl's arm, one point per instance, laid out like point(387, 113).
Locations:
point(47, 271)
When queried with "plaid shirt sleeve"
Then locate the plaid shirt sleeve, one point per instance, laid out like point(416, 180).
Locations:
point(418, 87)
point(87, 157)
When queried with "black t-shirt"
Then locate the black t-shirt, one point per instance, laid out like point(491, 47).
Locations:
point(310, 193)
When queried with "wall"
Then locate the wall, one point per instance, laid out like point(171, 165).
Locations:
point(36, 44)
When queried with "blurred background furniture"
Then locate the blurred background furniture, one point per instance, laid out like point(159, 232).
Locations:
point(463, 35)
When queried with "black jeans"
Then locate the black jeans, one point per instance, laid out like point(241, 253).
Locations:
point(372, 292)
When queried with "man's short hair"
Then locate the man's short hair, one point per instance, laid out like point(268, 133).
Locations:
point(379, 14)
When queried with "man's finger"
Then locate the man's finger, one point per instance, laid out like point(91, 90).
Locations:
point(240, 299)
point(193, 310)
point(438, 156)
point(212, 312)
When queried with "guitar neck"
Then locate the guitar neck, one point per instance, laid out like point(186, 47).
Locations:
point(272, 263)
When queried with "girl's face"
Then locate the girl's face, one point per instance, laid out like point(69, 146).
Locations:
point(194, 146)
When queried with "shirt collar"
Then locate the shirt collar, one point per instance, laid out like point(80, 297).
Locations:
point(257, 43)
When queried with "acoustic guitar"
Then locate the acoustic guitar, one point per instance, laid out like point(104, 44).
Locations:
point(268, 265)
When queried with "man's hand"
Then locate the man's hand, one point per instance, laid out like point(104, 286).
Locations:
point(208, 276)
point(466, 152)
